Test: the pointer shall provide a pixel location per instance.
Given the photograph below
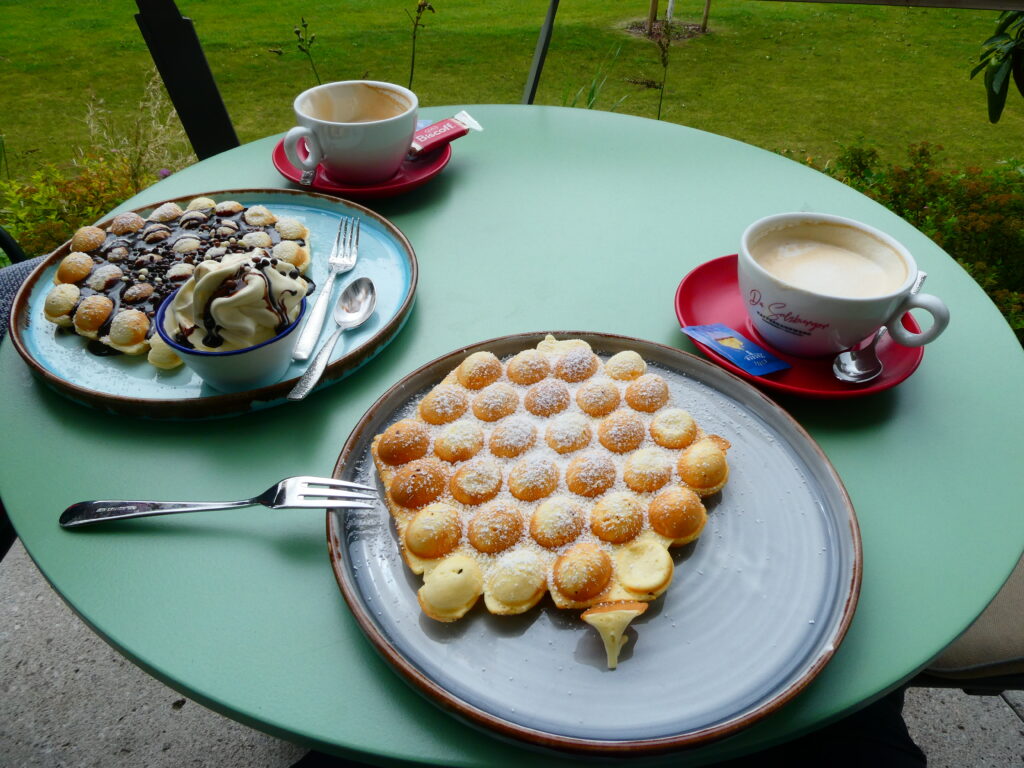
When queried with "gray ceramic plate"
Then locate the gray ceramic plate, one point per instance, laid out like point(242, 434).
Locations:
point(757, 607)
point(131, 386)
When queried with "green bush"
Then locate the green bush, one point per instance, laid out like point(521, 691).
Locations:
point(126, 154)
point(976, 216)
point(44, 210)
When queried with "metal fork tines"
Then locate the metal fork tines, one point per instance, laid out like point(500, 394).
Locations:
point(304, 492)
point(343, 258)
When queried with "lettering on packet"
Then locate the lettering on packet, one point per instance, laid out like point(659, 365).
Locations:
point(736, 348)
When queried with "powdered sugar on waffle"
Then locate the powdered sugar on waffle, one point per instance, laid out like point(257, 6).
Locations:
point(544, 431)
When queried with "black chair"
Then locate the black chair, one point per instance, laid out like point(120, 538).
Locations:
point(179, 59)
point(7, 533)
point(12, 250)
point(540, 53)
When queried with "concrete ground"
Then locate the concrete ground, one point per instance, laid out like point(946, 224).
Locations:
point(67, 699)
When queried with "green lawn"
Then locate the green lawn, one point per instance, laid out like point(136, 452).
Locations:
point(791, 77)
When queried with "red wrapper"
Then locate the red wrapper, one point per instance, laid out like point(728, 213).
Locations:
point(438, 134)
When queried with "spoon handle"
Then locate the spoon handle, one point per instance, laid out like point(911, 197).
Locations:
point(315, 369)
point(310, 332)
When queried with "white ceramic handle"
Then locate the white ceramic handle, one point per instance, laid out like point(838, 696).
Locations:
point(931, 304)
point(291, 148)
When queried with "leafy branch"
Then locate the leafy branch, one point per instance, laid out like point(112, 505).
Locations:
point(1002, 57)
point(305, 45)
point(304, 42)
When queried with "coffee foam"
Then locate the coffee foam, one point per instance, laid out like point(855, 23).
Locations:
point(831, 259)
point(356, 103)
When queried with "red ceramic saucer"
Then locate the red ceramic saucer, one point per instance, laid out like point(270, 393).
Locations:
point(710, 294)
point(413, 173)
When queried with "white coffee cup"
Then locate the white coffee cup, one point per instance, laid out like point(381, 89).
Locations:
point(359, 130)
point(816, 284)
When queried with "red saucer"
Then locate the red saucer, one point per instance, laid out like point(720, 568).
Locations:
point(710, 294)
point(413, 173)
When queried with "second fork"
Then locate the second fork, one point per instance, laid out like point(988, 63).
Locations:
point(342, 259)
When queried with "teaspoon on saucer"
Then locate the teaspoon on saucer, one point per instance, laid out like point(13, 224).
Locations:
point(859, 366)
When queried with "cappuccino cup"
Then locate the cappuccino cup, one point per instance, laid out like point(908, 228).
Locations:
point(358, 130)
point(816, 284)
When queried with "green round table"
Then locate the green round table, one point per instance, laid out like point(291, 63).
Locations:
point(240, 609)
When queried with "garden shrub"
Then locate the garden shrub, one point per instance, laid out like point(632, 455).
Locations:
point(44, 210)
point(975, 215)
point(41, 212)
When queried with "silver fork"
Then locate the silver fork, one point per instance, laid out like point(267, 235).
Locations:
point(342, 259)
point(291, 493)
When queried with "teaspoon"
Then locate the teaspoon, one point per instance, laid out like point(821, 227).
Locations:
point(354, 307)
point(859, 366)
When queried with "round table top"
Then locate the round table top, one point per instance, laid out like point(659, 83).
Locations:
point(551, 218)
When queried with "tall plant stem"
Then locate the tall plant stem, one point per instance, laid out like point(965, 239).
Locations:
point(312, 64)
point(664, 42)
point(412, 58)
point(421, 7)
point(4, 163)
point(305, 45)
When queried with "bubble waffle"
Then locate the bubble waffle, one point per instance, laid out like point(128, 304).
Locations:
point(110, 285)
point(549, 472)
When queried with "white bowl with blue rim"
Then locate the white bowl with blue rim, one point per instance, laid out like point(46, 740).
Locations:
point(236, 370)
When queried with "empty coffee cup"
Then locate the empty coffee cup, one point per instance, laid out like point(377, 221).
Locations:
point(359, 131)
point(816, 284)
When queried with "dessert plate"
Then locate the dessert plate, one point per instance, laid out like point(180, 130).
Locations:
point(710, 294)
point(131, 386)
point(757, 608)
point(413, 173)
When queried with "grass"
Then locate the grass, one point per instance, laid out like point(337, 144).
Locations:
point(799, 78)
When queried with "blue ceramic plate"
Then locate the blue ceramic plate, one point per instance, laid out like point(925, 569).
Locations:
point(757, 607)
point(131, 386)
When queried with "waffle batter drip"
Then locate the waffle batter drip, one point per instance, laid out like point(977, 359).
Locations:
point(551, 472)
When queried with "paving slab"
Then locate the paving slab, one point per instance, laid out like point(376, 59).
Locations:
point(68, 699)
point(957, 730)
point(1016, 700)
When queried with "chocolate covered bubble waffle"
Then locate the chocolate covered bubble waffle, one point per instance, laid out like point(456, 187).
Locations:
point(550, 472)
point(108, 288)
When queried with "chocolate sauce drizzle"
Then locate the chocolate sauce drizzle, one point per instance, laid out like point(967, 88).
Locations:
point(147, 263)
point(232, 285)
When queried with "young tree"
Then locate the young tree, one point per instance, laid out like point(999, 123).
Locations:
point(704, 17)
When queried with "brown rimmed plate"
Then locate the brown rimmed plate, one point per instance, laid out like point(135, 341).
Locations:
point(757, 607)
point(131, 386)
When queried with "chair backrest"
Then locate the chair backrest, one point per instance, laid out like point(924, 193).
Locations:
point(7, 534)
point(179, 58)
point(11, 248)
point(540, 53)
point(11, 279)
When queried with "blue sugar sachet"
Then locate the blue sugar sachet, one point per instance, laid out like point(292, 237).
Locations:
point(736, 348)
